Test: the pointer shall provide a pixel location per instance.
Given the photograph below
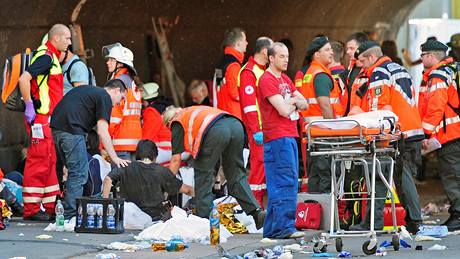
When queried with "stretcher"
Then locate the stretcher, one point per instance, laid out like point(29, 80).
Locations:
point(366, 139)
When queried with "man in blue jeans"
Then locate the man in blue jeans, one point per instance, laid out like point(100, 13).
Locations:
point(77, 113)
point(279, 104)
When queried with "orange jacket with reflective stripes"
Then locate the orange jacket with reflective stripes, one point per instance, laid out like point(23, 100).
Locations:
point(336, 74)
point(308, 91)
point(228, 98)
point(125, 121)
point(248, 81)
point(195, 121)
point(153, 128)
point(391, 87)
point(438, 118)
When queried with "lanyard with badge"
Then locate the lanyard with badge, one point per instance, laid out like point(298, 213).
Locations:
point(37, 131)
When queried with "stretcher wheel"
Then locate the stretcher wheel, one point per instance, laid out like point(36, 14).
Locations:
point(319, 247)
point(395, 242)
point(338, 244)
point(369, 251)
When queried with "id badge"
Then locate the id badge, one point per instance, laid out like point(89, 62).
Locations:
point(37, 131)
point(294, 116)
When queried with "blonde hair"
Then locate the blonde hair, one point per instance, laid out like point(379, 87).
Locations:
point(169, 114)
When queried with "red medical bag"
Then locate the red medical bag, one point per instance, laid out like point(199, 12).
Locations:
point(308, 215)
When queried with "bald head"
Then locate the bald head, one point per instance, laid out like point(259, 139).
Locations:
point(59, 36)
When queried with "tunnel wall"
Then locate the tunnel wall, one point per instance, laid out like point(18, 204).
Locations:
point(195, 40)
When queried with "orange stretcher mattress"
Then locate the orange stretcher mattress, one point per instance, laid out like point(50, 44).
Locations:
point(316, 131)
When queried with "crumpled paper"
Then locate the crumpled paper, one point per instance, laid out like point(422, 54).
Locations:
point(69, 225)
point(128, 247)
point(437, 247)
point(191, 228)
point(426, 238)
point(44, 236)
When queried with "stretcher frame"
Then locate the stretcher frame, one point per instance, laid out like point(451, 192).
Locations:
point(354, 146)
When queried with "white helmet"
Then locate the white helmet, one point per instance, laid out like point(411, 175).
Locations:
point(151, 90)
point(120, 54)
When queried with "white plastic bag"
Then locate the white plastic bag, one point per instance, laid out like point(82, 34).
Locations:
point(135, 218)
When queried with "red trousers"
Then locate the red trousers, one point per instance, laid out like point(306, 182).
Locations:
point(40, 180)
point(256, 177)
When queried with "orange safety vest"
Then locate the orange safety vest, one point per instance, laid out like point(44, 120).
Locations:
point(125, 120)
point(195, 121)
point(153, 128)
point(390, 84)
point(308, 91)
point(227, 90)
point(438, 98)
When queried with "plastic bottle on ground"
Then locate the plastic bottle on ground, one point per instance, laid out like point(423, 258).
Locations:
point(90, 219)
point(111, 217)
point(214, 222)
point(59, 209)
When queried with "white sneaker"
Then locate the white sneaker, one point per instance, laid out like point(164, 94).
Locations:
point(297, 234)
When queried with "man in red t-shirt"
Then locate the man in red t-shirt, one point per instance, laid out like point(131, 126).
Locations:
point(279, 104)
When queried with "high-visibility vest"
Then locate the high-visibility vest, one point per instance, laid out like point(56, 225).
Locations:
point(308, 91)
point(390, 84)
point(248, 95)
point(195, 121)
point(125, 120)
point(51, 87)
point(438, 118)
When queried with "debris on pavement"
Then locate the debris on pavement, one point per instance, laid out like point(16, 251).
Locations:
point(268, 240)
point(404, 233)
point(43, 236)
point(293, 247)
point(419, 238)
point(433, 231)
point(437, 247)
point(21, 234)
point(344, 254)
point(69, 225)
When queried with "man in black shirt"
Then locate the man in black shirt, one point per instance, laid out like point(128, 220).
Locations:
point(78, 112)
point(145, 182)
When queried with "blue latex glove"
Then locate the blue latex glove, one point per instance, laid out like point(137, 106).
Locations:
point(30, 112)
point(258, 137)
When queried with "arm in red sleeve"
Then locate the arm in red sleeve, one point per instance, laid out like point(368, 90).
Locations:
point(231, 77)
point(437, 101)
point(152, 124)
point(248, 97)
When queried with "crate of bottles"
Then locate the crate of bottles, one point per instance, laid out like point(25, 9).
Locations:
point(100, 215)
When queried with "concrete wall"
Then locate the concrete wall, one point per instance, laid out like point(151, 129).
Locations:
point(195, 40)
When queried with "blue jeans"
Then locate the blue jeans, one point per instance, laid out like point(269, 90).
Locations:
point(281, 173)
point(72, 151)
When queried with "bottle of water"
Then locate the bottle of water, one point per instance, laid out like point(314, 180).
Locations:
point(59, 216)
point(214, 221)
point(111, 217)
point(90, 218)
point(79, 216)
point(99, 218)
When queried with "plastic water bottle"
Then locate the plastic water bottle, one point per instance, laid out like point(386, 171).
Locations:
point(111, 217)
point(59, 216)
point(175, 246)
point(99, 218)
point(79, 216)
point(214, 222)
point(90, 219)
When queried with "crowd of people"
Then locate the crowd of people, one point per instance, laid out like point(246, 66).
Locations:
point(253, 104)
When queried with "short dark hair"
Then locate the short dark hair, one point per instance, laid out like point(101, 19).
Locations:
point(359, 37)
point(338, 49)
point(146, 149)
point(262, 43)
point(116, 83)
point(232, 36)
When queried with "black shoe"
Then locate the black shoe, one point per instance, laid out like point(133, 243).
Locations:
point(17, 209)
point(412, 226)
point(453, 222)
point(40, 217)
point(259, 218)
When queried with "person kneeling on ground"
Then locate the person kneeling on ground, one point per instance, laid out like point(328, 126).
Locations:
point(144, 182)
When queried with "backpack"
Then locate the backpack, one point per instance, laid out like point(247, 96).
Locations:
point(9, 80)
point(455, 66)
point(91, 77)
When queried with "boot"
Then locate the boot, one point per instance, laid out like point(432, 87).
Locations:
point(40, 216)
point(412, 226)
point(259, 218)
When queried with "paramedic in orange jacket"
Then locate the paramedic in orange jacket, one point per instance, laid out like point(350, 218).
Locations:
point(210, 134)
point(390, 87)
point(440, 110)
point(42, 87)
point(227, 70)
point(153, 128)
point(125, 121)
point(248, 81)
point(323, 96)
